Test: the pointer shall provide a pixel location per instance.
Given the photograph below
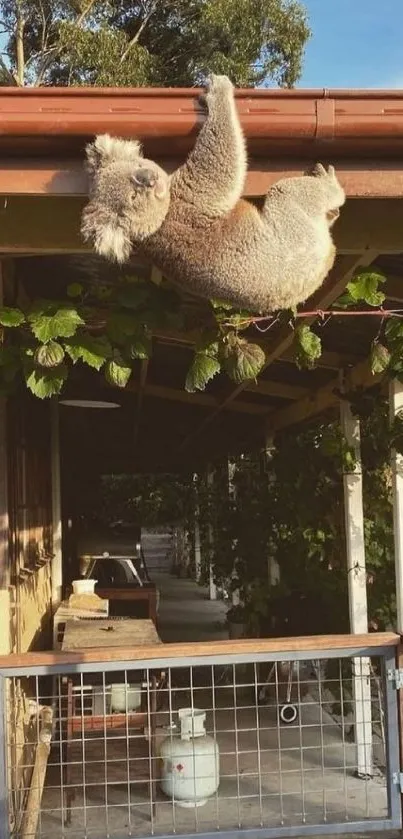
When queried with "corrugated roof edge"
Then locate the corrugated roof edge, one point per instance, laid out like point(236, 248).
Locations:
point(174, 112)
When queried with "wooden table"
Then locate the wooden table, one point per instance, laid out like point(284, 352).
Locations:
point(96, 716)
point(66, 613)
point(130, 594)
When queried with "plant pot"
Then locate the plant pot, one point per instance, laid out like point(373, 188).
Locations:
point(84, 586)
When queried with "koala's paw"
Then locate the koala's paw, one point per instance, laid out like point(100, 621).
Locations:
point(319, 171)
point(218, 86)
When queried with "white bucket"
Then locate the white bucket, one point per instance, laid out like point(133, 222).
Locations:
point(125, 698)
point(84, 586)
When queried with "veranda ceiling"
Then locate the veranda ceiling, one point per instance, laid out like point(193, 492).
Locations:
point(160, 425)
point(42, 139)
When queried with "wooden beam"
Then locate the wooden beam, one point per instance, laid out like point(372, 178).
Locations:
point(359, 644)
point(329, 360)
point(327, 294)
point(279, 390)
point(204, 399)
point(366, 178)
point(52, 225)
point(319, 401)
point(393, 288)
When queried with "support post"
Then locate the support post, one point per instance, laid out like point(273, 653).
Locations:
point(197, 543)
point(396, 406)
point(273, 568)
point(230, 471)
point(5, 602)
point(212, 585)
point(57, 569)
point(357, 590)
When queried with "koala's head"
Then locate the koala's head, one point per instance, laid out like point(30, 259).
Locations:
point(129, 197)
point(333, 192)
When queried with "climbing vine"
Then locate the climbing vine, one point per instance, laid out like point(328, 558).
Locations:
point(110, 328)
point(291, 513)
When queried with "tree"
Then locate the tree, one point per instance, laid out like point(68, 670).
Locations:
point(151, 42)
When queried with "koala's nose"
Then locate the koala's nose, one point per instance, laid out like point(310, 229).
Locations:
point(144, 177)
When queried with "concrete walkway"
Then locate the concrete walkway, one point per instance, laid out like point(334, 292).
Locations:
point(186, 613)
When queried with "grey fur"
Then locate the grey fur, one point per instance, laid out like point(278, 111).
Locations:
point(198, 230)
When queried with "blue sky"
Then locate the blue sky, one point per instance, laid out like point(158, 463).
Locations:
point(355, 43)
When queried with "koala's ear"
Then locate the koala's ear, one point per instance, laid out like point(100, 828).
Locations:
point(107, 233)
point(105, 149)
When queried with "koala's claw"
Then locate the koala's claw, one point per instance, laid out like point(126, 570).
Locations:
point(319, 171)
point(216, 84)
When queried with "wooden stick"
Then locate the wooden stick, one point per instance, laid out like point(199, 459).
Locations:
point(31, 814)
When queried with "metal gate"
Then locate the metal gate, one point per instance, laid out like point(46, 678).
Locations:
point(307, 733)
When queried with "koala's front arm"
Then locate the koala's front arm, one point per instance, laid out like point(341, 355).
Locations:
point(213, 177)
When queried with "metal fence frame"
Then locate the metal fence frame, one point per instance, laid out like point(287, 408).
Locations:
point(393, 772)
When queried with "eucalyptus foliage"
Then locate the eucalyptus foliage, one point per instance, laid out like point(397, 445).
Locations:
point(152, 42)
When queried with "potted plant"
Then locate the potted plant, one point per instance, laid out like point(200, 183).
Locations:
point(237, 620)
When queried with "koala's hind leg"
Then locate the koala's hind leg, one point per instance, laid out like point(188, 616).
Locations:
point(213, 177)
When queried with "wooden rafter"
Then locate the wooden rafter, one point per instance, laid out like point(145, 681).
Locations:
point(321, 399)
point(329, 360)
point(280, 390)
point(67, 178)
point(52, 225)
point(327, 294)
point(204, 399)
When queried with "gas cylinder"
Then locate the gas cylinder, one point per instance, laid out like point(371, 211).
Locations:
point(190, 771)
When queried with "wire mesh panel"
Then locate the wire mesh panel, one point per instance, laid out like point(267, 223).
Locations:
point(196, 746)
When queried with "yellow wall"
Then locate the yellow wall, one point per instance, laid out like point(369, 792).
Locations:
point(31, 621)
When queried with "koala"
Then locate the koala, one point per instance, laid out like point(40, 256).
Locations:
point(198, 230)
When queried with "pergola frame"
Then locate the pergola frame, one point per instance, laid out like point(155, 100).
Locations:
point(43, 188)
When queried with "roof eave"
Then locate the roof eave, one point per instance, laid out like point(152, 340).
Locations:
point(369, 120)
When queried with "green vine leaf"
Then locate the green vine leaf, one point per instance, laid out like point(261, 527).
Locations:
point(89, 349)
point(201, 371)
point(365, 287)
point(380, 358)
point(117, 373)
point(242, 360)
point(140, 345)
point(45, 384)
point(52, 320)
point(49, 355)
point(11, 317)
point(121, 326)
point(309, 347)
point(133, 295)
point(396, 433)
point(394, 330)
point(221, 304)
point(75, 290)
point(208, 343)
